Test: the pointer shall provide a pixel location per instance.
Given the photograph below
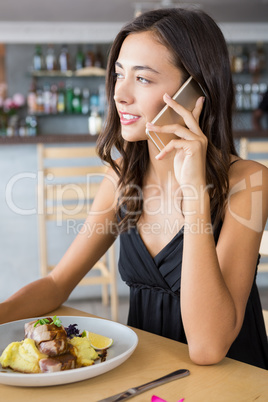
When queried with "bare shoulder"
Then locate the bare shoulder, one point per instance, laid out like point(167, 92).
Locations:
point(249, 170)
point(248, 191)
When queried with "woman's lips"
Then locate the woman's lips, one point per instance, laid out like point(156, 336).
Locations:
point(128, 118)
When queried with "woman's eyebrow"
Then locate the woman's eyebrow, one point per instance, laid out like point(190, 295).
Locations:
point(135, 68)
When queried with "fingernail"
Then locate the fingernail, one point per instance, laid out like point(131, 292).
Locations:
point(167, 96)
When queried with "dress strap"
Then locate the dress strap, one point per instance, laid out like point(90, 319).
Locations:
point(236, 160)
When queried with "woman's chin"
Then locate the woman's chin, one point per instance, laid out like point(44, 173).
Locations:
point(133, 137)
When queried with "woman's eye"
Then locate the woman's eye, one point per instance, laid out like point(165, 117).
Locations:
point(118, 75)
point(143, 80)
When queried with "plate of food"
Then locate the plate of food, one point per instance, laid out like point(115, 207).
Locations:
point(60, 350)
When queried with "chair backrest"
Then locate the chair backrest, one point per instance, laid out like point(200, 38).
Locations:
point(264, 244)
point(68, 188)
point(254, 149)
point(263, 266)
point(257, 149)
point(68, 180)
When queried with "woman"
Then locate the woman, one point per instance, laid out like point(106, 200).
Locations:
point(190, 223)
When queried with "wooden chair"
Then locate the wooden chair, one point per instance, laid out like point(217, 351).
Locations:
point(257, 150)
point(265, 316)
point(254, 149)
point(66, 190)
point(263, 267)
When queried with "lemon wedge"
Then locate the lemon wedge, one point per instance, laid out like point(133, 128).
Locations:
point(97, 341)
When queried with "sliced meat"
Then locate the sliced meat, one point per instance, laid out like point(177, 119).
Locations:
point(41, 334)
point(54, 347)
point(58, 363)
point(49, 365)
point(49, 338)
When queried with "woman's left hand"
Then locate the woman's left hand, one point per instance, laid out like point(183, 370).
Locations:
point(191, 145)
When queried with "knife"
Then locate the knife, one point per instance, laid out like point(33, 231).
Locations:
point(129, 393)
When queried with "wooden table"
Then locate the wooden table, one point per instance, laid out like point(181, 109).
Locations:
point(155, 356)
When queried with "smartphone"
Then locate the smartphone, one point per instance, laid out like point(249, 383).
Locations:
point(186, 96)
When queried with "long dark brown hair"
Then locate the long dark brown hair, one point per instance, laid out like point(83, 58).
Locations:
point(199, 49)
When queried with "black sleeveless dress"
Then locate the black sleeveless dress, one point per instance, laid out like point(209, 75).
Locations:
point(155, 297)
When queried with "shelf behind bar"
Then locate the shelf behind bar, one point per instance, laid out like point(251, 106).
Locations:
point(83, 72)
point(72, 138)
point(49, 139)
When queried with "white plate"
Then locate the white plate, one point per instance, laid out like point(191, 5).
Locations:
point(125, 342)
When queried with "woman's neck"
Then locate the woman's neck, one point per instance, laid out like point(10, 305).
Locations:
point(160, 172)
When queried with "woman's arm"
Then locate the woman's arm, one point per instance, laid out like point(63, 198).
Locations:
point(216, 282)
point(94, 239)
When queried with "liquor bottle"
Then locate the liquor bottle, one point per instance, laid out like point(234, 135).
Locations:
point(255, 95)
point(247, 97)
point(253, 61)
point(31, 98)
point(64, 59)
point(98, 59)
point(31, 126)
point(239, 104)
point(94, 100)
point(94, 122)
point(77, 104)
point(61, 101)
point(79, 59)
point(85, 101)
point(102, 100)
point(53, 99)
point(69, 98)
point(238, 60)
point(38, 61)
point(47, 99)
point(39, 101)
point(257, 59)
point(90, 58)
point(51, 64)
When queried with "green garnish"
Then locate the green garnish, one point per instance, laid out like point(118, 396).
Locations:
point(56, 321)
point(42, 321)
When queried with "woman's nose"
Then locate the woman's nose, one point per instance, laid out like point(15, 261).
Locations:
point(123, 93)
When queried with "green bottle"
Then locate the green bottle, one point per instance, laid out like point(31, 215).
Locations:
point(69, 99)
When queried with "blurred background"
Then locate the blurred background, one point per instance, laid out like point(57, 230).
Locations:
point(53, 56)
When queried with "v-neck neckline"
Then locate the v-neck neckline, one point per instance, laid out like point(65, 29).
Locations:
point(156, 257)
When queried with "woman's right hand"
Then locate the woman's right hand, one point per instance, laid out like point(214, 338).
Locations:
point(190, 147)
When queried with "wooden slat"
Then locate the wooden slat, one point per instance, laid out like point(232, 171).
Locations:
point(263, 268)
point(69, 152)
point(74, 171)
point(71, 192)
point(59, 214)
point(257, 147)
point(265, 316)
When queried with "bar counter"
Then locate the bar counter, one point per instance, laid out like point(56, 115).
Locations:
point(154, 357)
point(78, 138)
